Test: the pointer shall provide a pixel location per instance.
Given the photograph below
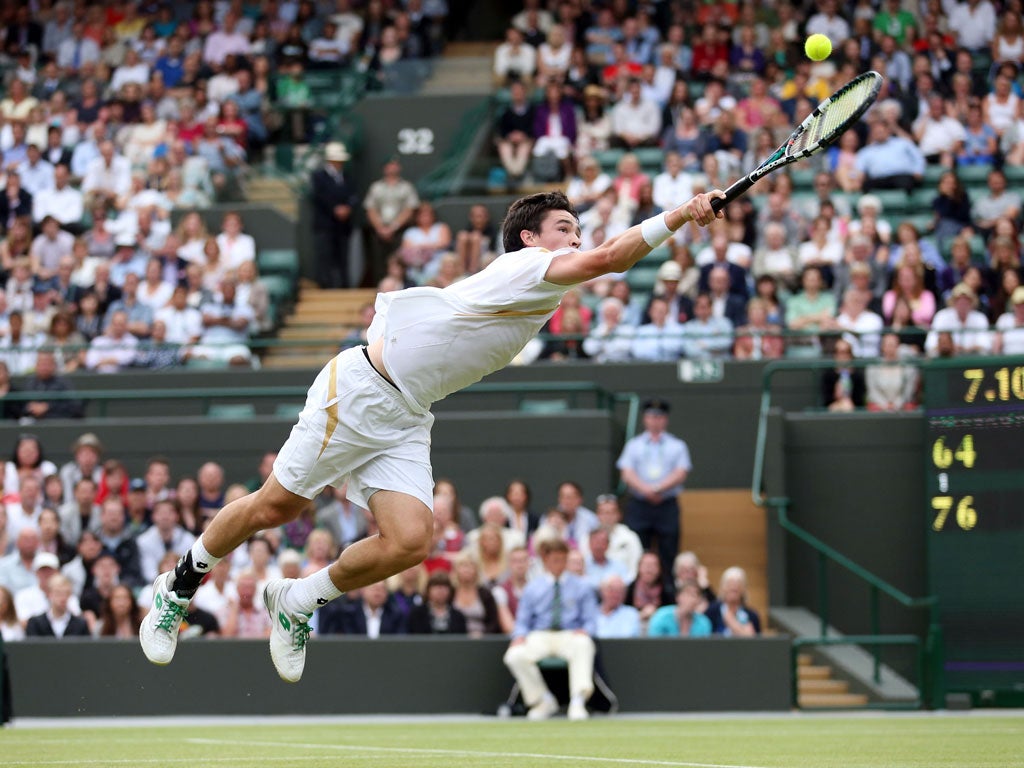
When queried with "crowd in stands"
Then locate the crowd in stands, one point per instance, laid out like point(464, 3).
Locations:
point(910, 223)
point(81, 543)
point(115, 116)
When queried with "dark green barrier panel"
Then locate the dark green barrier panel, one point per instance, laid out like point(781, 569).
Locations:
point(69, 678)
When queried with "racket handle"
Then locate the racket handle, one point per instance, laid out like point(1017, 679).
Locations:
point(734, 191)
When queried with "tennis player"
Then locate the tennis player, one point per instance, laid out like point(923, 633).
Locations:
point(367, 415)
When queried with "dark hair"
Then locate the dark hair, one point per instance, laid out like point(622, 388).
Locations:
point(26, 438)
point(526, 488)
point(526, 213)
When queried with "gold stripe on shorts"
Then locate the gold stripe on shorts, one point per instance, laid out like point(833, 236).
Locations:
point(333, 408)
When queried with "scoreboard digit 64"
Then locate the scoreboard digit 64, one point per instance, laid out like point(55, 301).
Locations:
point(975, 515)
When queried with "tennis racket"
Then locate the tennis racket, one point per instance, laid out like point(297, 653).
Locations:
point(818, 131)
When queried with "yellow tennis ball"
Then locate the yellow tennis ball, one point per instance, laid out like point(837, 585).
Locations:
point(818, 47)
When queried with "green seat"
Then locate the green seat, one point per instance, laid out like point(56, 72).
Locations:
point(541, 407)
point(642, 280)
point(893, 200)
point(658, 255)
point(231, 411)
point(921, 199)
point(279, 287)
point(650, 157)
point(288, 410)
point(279, 261)
point(932, 174)
point(974, 174)
point(803, 178)
point(922, 221)
point(609, 158)
point(205, 364)
point(1014, 173)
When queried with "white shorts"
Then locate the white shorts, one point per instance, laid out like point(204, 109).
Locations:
point(356, 426)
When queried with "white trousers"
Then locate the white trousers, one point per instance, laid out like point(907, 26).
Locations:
point(575, 647)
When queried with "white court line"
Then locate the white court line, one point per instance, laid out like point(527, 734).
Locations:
point(464, 753)
point(166, 760)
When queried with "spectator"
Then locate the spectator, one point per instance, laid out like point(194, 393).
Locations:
point(476, 602)
point(109, 176)
point(35, 172)
point(45, 379)
point(183, 324)
point(16, 203)
point(236, 247)
point(225, 41)
point(999, 203)
point(981, 141)
point(557, 616)
point(673, 183)
point(473, 244)
point(554, 128)
point(611, 339)
point(113, 532)
point(891, 384)
point(888, 161)
point(909, 286)
point(210, 488)
point(968, 327)
point(659, 340)
point(865, 325)
point(758, 339)
point(614, 618)
point(372, 613)
point(654, 466)
point(843, 387)
point(10, 628)
point(333, 201)
point(514, 135)
point(730, 615)
point(389, 204)
point(812, 309)
point(598, 564)
point(1009, 337)
point(514, 59)
point(139, 316)
point(706, 335)
point(226, 326)
point(594, 126)
point(636, 121)
point(61, 202)
point(120, 615)
point(16, 569)
point(57, 620)
point(939, 136)
point(684, 619)
point(165, 536)
point(424, 243)
point(154, 291)
point(243, 617)
point(436, 615)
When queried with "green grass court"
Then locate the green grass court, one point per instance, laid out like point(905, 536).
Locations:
point(972, 740)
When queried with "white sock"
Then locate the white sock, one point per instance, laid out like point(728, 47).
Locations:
point(308, 594)
point(202, 560)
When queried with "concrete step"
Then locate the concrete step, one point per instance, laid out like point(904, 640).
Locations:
point(823, 686)
point(811, 672)
point(316, 332)
point(832, 700)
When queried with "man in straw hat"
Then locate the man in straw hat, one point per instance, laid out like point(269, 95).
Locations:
point(962, 319)
point(367, 417)
point(334, 199)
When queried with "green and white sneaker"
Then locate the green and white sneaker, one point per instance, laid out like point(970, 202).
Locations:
point(290, 633)
point(158, 632)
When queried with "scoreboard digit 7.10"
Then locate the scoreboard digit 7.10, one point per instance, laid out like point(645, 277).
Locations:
point(974, 474)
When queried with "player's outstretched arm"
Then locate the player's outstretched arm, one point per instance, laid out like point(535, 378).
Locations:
point(619, 253)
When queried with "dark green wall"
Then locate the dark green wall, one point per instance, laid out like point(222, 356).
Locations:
point(856, 483)
point(69, 678)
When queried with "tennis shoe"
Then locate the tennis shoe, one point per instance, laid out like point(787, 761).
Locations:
point(158, 632)
point(289, 634)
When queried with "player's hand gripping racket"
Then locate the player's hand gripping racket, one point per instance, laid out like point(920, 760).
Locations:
point(818, 131)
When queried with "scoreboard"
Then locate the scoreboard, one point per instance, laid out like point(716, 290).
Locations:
point(974, 412)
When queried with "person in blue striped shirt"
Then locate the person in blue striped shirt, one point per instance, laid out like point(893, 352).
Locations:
point(557, 616)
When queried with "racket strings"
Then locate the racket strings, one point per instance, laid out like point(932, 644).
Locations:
point(835, 116)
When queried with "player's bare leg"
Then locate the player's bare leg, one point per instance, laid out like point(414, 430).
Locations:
point(406, 529)
point(270, 506)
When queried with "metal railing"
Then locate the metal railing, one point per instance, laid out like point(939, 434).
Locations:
point(930, 652)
